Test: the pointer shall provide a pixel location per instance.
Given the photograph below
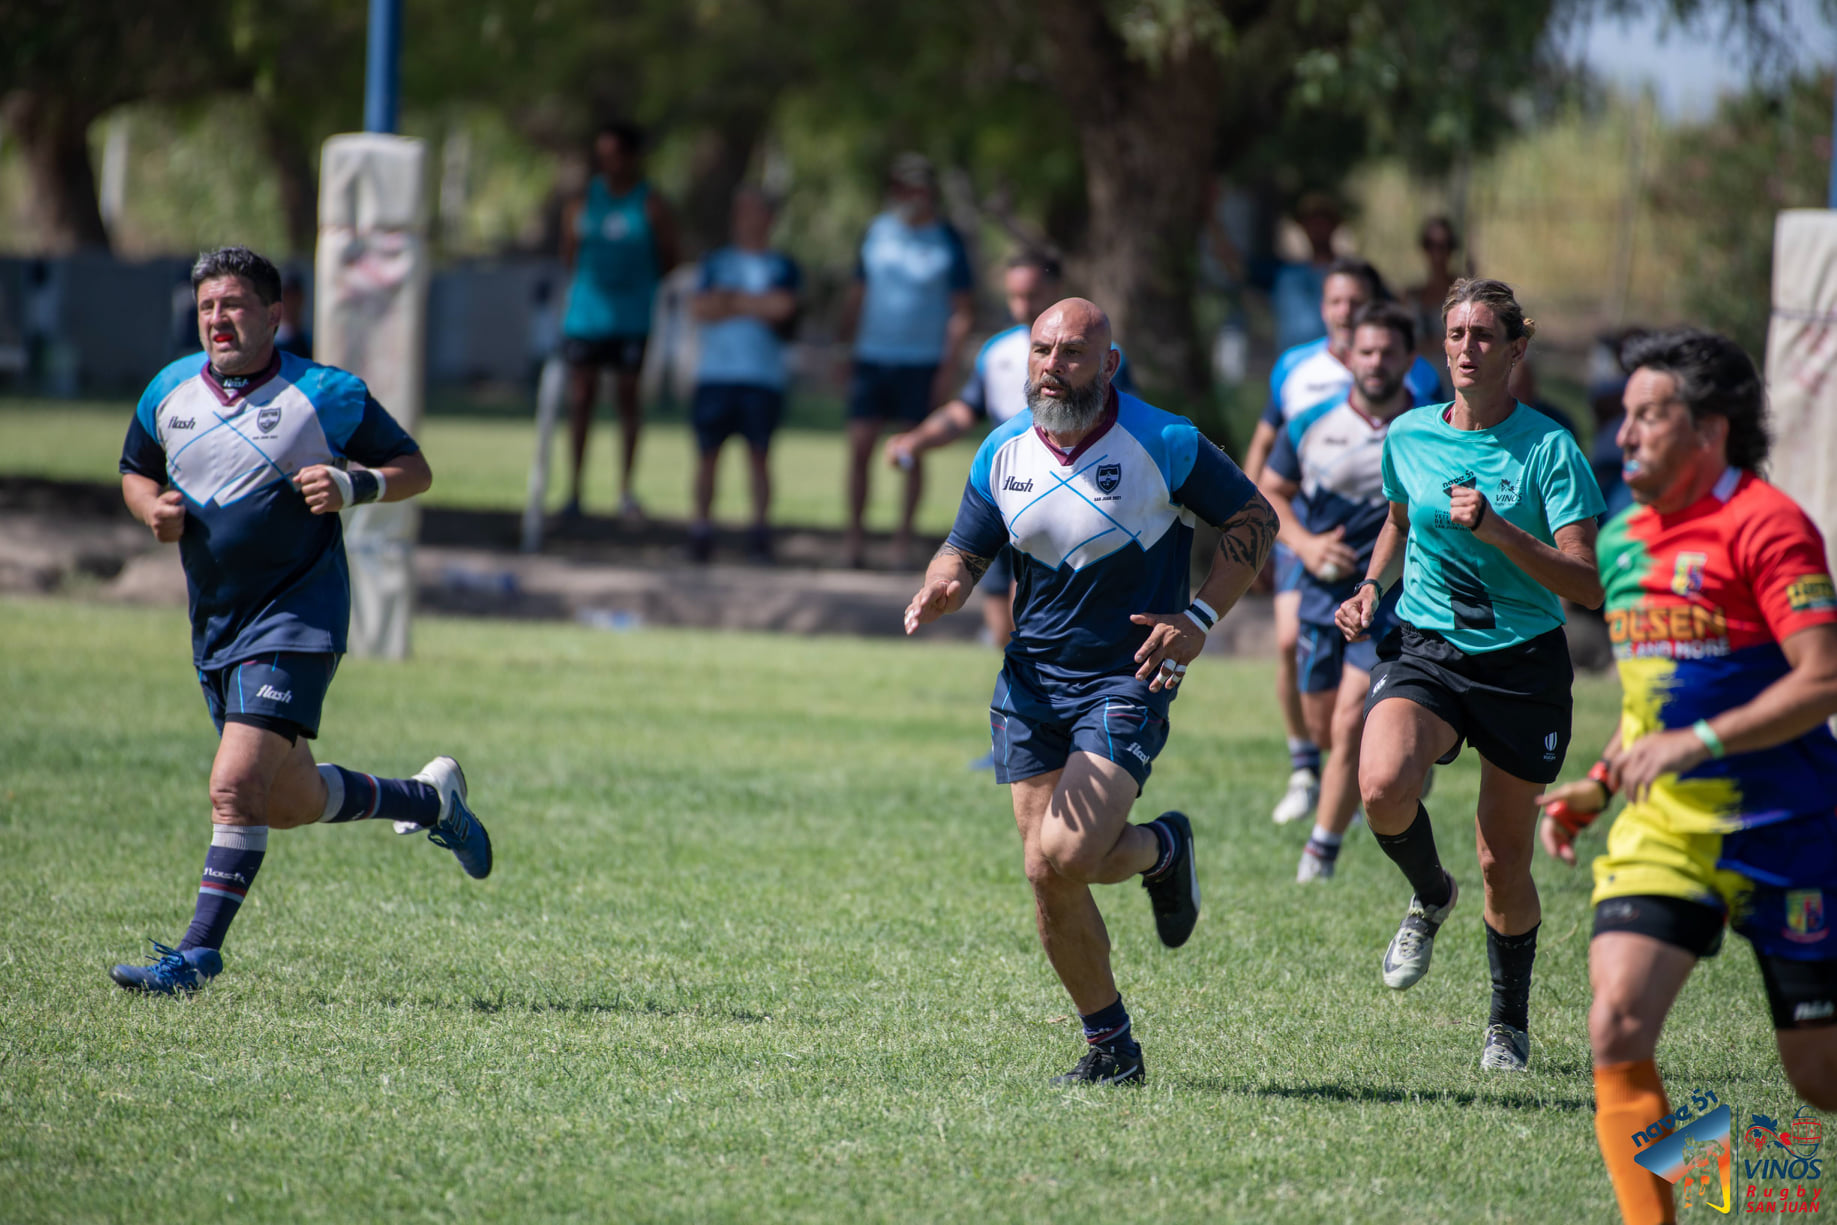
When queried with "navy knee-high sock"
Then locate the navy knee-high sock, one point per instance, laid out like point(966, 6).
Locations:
point(354, 796)
point(1414, 851)
point(230, 865)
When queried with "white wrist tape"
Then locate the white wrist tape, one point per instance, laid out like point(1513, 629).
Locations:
point(342, 479)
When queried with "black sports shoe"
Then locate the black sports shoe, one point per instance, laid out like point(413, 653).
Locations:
point(1175, 893)
point(1107, 1065)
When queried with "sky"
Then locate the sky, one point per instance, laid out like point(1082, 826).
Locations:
point(1689, 68)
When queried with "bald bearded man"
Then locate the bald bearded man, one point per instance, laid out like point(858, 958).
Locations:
point(1098, 494)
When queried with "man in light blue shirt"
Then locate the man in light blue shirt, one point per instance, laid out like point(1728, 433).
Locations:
point(746, 302)
point(906, 319)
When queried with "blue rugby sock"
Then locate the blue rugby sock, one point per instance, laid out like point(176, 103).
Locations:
point(1107, 1026)
point(351, 795)
point(1303, 754)
point(230, 865)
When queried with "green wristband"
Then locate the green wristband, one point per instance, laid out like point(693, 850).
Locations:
point(1710, 739)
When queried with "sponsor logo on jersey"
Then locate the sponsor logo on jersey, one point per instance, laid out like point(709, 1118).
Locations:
point(1813, 593)
point(1109, 476)
point(1136, 751)
point(267, 419)
point(174, 423)
point(1466, 480)
point(1687, 574)
point(1507, 494)
point(1668, 631)
point(268, 693)
point(1805, 916)
point(1016, 485)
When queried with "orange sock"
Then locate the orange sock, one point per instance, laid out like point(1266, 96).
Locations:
point(1628, 1097)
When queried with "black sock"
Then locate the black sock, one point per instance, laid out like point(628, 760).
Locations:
point(1108, 1027)
point(1510, 958)
point(1414, 851)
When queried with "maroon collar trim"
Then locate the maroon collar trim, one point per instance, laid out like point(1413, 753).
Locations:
point(1068, 458)
point(240, 387)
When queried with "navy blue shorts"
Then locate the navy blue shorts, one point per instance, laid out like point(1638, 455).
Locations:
point(1115, 717)
point(624, 354)
point(1000, 574)
point(879, 392)
point(283, 692)
point(1288, 569)
point(721, 410)
point(1322, 655)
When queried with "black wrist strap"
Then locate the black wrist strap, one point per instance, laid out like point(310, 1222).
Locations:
point(1373, 583)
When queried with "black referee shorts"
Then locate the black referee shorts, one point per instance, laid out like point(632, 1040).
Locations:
point(1513, 705)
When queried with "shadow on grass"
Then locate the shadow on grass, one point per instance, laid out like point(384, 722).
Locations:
point(1382, 1093)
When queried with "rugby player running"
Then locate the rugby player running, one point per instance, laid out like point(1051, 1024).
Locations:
point(241, 455)
point(1724, 625)
point(1325, 479)
point(1097, 494)
point(1497, 506)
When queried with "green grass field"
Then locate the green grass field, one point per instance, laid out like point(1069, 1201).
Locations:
point(757, 949)
point(482, 463)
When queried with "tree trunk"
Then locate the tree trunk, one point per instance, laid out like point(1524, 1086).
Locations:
point(1147, 135)
point(718, 165)
point(296, 173)
point(53, 134)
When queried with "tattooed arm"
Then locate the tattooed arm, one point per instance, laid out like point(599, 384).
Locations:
point(1243, 547)
point(949, 578)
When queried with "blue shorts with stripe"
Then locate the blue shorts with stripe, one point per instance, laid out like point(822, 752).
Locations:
point(282, 691)
point(1289, 570)
point(1034, 727)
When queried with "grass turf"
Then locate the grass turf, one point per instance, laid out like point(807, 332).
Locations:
point(757, 948)
point(482, 463)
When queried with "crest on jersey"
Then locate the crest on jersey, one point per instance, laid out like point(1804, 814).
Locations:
point(1687, 574)
point(1109, 476)
point(267, 419)
point(1804, 915)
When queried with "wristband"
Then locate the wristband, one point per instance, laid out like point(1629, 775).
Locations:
point(1710, 739)
point(1573, 822)
point(1481, 517)
point(1373, 583)
point(367, 485)
point(1205, 610)
point(1197, 620)
point(1598, 773)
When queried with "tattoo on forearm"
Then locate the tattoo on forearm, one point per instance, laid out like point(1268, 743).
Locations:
point(1250, 534)
point(971, 562)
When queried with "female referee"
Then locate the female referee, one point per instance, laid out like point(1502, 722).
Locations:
point(1497, 506)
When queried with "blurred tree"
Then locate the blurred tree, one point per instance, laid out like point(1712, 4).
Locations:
point(1763, 151)
point(62, 66)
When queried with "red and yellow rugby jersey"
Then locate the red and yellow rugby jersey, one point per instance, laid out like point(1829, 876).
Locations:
point(1698, 602)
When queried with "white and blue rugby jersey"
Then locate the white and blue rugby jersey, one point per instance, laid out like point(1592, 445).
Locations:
point(741, 348)
point(265, 573)
point(1336, 454)
point(1099, 533)
point(997, 386)
point(1309, 374)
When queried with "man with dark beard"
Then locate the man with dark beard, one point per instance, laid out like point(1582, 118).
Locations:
point(1097, 493)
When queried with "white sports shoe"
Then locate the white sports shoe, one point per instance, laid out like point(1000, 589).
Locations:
point(1407, 958)
point(1506, 1050)
point(1313, 866)
point(1299, 800)
point(443, 775)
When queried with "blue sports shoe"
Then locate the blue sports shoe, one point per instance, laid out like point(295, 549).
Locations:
point(169, 971)
point(457, 829)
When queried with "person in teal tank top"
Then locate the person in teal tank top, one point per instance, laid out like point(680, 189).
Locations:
point(1492, 519)
point(618, 240)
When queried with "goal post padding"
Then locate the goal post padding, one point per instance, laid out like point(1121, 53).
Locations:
point(370, 289)
point(1802, 363)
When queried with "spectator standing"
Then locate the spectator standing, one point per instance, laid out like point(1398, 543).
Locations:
point(906, 318)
